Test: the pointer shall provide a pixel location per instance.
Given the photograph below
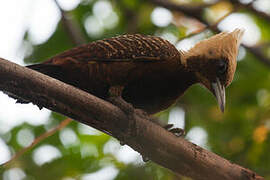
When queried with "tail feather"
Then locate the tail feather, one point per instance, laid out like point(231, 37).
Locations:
point(48, 69)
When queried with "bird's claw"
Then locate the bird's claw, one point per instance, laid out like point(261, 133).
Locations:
point(128, 109)
point(141, 113)
point(122, 143)
point(145, 159)
point(178, 132)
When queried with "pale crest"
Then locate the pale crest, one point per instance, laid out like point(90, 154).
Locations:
point(224, 44)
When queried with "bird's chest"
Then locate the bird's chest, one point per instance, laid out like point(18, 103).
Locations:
point(156, 90)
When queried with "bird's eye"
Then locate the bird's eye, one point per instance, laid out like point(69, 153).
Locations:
point(222, 68)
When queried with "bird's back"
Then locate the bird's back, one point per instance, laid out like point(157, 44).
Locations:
point(122, 48)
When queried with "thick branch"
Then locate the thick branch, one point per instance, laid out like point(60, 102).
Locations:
point(144, 136)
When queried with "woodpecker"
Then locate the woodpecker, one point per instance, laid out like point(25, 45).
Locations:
point(147, 71)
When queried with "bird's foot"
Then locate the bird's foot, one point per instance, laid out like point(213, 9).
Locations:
point(142, 113)
point(145, 159)
point(126, 107)
point(115, 97)
point(178, 132)
point(115, 91)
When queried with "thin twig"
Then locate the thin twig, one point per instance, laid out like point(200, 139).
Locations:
point(52, 131)
point(130, 16)
point(251, 8)
point(71, 27)
point(172, 6)
point(258, 54)
point(212, 26)
point(190, 10)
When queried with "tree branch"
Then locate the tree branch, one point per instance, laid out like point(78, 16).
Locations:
point(71, 27)
point(144, 136)
point(251, 8)
point(198, 15)
point(40, 138)
point(190, 10)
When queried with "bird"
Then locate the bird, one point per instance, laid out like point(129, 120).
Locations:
point(147, 71)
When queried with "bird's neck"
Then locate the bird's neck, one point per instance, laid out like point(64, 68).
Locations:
point(185, 79)
point(191, 64)
point(186, 74)
point(189, 61)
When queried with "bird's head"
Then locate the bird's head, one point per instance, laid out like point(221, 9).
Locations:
point(214, 62)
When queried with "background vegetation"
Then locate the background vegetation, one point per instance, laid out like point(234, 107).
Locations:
point(240, 135)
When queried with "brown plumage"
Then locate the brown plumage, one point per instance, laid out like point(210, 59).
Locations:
point(151, 71)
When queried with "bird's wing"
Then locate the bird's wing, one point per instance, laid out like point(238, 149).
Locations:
point(133, 59)
point(125, 48)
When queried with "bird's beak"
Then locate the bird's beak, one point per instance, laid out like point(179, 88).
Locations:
point(219, 91)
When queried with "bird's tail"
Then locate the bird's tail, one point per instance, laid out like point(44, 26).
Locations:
point(48, 69)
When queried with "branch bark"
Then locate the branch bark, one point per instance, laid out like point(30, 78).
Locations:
point(144, 136)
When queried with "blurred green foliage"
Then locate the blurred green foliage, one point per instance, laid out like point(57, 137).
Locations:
point(240, 135)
